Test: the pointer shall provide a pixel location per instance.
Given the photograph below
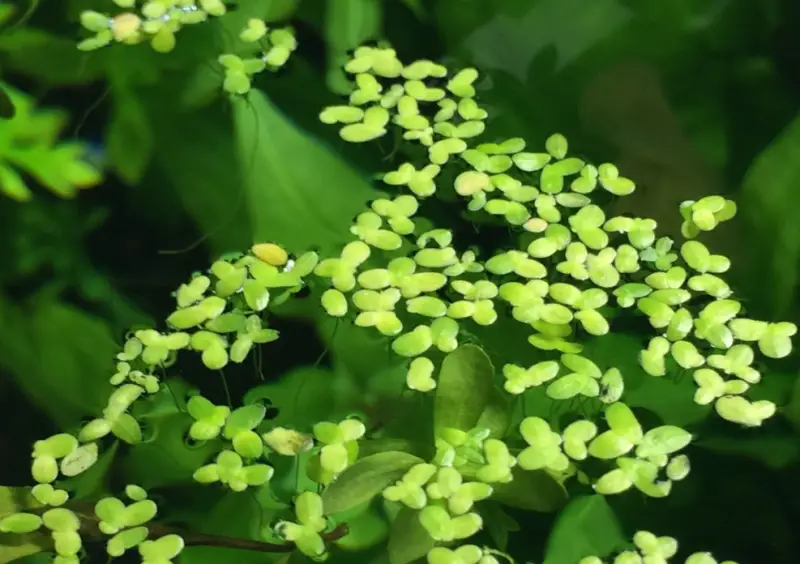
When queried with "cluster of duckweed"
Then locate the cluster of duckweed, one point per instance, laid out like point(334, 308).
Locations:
point(651, 549)
point(577, 263)
point(698, 323)
point(276, 46)
point(221, 314)
point(154, 21)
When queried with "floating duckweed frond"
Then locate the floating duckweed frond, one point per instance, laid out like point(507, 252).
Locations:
point(157, 22)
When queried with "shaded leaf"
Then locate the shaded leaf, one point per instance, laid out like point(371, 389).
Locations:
point(775, 451)
point(348, 24)
point(498, 524)
point(129, 138)
point(772, 181)
point(298, 191)
point(365, 479)
point(408, 539)
point(532, 490)
point(586, 527)
point(463, 388)
point(60, 356)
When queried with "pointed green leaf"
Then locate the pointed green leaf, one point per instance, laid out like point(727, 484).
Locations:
point(365, 479)
point(464, 387)
point(586, 527)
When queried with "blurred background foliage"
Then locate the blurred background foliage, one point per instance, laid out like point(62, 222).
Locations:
point(689, 98)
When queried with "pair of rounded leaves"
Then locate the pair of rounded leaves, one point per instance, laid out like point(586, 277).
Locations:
point(588, 380)
point(544, 450)
point(240, 428)
point(305, 533)
point(465, 554)
point(229, 469)
point(420, 182)
point(208, 418)
point(625, 432)
point(337, 438)
point(115, 516)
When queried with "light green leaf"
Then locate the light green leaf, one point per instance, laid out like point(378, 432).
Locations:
point(365, 479)
point(298, 191)
point(464, 387)
point(586, 527)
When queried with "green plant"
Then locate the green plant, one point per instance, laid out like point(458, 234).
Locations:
point(476, 450)
point(29, 143)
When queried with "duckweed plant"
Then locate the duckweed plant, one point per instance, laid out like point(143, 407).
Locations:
point(575, 273)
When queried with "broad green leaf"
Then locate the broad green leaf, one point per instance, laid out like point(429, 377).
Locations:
point(168, 459)
point(50, 338)
point(532, 490)
point(408, 540)
point(465, 384)
point(49, 58)
point(348, 24)
point(586, 527)
point(365, 479)
point(304, 396)
point(772, 181)
point(197, 152)
point(496, 416)
point(365, 530)
point(129, 137)
point(298, 191)
point(774, 450)
point(231, 515)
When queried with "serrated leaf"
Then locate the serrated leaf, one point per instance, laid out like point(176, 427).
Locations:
point(366, 479)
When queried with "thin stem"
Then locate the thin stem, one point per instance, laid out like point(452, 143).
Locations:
point(90, 522)
point(227, 391)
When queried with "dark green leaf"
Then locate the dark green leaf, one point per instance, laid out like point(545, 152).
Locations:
point(408, 539)
point(771, 182)
point(773, 450)
point(303, 397)
point(61, 356)
point(498, 523)
point(586, 527)
point(129, 138)
point(365, 479)
point(298, 191)
point(534, 490)
point(670, 397)
point(463, 389)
